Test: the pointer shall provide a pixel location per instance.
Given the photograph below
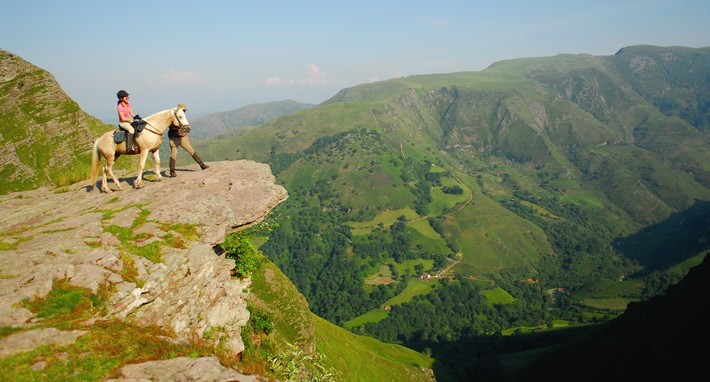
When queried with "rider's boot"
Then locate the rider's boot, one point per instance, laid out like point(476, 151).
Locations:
point(199, 161)
point(129, 143)
point(172, 168)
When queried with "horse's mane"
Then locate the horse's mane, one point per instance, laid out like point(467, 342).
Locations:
point(161, 112)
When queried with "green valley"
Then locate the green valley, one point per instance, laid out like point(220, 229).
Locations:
point(429, 208)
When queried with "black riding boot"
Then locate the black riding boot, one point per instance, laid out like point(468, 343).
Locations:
point(129, 142)
point(199, 161)
point(172, 168)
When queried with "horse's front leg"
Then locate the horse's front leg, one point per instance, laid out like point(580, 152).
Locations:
point(139, 178)
point(156, 158)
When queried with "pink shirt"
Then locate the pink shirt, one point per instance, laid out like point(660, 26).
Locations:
point(125, 113)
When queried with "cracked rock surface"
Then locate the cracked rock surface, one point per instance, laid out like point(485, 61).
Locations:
point(104, 241)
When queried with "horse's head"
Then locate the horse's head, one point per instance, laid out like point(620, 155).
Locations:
point(179, 118)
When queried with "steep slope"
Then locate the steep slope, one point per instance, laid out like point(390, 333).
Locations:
point(662, 338)
point(351, 357)
point(45, 138)
point(212, 125)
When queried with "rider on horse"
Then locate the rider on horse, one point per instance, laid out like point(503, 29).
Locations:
point(125, 117)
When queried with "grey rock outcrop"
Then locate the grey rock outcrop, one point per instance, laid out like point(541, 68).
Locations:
point(26, 341)
point(181, 369)
point(80, 235)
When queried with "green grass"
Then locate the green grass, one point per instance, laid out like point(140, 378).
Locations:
point(442, 202)
point(385, 219)
point(422, 226)
point(374, 279)
point(498, 296)
point(615, 304)
point(352, 355)
point(495, 238)
point(107, 346)
point(408, 265)
point(605, 288)
point(272, 291)
point(415, 287)
point(361, 358)
point(374, 315)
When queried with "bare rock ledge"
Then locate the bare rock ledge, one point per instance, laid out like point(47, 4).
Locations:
point(52, 235)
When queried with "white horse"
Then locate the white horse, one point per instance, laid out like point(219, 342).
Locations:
point(148, 141)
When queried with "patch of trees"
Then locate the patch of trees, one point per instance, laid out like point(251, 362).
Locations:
point(414, 174)
point(579, 237)
point(314, 248)
point(454, 190)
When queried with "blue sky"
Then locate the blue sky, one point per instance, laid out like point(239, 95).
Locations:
point(222, 55)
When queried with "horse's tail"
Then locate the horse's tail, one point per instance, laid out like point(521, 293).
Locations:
point(95, 162)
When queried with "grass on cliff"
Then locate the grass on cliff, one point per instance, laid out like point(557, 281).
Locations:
point(362, 358)
point(107, 345)
point(325, 348)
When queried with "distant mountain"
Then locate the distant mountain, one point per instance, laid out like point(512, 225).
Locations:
point(212, 125)
point(534, 185)
point(45, 138)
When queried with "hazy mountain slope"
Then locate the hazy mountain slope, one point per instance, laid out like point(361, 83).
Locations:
point(45, 138)
point(212, 125)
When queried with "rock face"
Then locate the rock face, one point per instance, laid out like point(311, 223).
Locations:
point(94, 240)
point(181, 369)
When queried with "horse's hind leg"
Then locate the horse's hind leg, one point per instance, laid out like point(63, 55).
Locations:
point(104, 186)
point(109, 169)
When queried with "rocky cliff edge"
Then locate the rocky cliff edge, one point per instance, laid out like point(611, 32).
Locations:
point(151, 250)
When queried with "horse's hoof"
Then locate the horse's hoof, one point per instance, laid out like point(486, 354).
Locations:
point(140, 185)
point(106, 190)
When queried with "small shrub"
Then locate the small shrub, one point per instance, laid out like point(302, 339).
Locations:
point(247, 257)
point(239, 247)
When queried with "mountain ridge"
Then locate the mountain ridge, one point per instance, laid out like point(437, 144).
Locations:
point(212, 125)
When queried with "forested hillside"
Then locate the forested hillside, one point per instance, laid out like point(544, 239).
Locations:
point(429, 209)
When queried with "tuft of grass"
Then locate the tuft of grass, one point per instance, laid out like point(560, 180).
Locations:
point(151, 251)
point(66, 303)
point(97, 355)
point(187, 231)
point(129, 272)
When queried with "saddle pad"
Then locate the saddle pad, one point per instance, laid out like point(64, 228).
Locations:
point(119, 136)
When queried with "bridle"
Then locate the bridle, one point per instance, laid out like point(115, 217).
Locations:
point(181, 125)
point(178, 119)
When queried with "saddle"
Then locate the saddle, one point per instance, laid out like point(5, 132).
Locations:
point(121, 134)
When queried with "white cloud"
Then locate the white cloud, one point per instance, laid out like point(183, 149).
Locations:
point(315, 77)
point(185, 77)
point(274, 81)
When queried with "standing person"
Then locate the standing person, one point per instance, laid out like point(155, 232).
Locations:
point(179, 138)
point(125, 117)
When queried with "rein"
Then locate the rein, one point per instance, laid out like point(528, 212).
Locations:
point(151, 130)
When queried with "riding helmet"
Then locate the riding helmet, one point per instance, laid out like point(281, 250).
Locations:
point(121, 94)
